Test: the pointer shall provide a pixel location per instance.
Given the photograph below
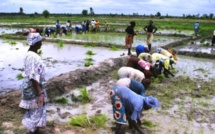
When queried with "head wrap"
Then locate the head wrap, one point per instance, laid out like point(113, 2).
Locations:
point(151, 102)
point(31, 30)
point(158, 50)
point(33, 38)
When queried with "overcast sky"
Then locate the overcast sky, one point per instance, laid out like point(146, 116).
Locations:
point(147, 7)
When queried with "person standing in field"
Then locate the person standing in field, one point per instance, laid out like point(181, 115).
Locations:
point(129, 36)
point(58, 27)
point(34, 97)
point(196, 28)
point(106, 26)
point(150, 30)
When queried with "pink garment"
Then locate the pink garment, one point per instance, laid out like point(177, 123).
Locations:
point(144, 64)
point(31, 30)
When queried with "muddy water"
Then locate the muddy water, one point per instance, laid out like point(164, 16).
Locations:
point(198, 46)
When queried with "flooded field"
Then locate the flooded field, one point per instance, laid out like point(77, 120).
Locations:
point(186, 111)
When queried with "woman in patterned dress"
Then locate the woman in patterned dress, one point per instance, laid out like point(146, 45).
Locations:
point(33, 89)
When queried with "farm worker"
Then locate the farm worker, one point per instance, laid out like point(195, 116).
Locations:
point(196, 28)
point(97, 25)
point(68, 25)
point(34, 96)
point(164, 62)
point(129, 72)
point(141, 65)
point(106, 26)
point(150, 31)
point(83, 24)
point(93, 25)
point(141, 49)
point(134, 85)
point(167, 53)
point(58, 27)
point(145, 56)
point(127, 105)
point(213, 39)
point(129, 36)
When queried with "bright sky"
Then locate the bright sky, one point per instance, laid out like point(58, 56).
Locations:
point(147, 7)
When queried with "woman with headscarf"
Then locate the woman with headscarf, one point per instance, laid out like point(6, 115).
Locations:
point(129, 36)
point(141, 49)
point(167, 53)
point(127, 105)
point(33, 89)
point(141, 65)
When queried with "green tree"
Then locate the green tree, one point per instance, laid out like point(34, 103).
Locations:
point(21, 10)
point(91, 11)
point(211, 15)
point(158, 14)
point(84, 12)
point(46, 13)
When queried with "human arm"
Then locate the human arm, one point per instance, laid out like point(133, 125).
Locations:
point(145, 28)
point(40, 93)
point(155, 29)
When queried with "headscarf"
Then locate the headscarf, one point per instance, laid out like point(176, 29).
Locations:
point(151, 102)
point(33, 38)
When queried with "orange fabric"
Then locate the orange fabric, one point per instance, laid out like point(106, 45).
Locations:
point(129, 40)
point(173, 55)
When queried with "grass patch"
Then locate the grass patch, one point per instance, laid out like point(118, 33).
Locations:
point(61, 100)
point(19, 76)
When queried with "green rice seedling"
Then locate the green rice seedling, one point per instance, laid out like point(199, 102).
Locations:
point(88, 59)
point(99, 120)
point(192, 42)
point(157, 80)
point(80, 121)
point(202, 40)
point(12, 42)
point(113, 48)
point(40, 52)
point(60, 44)
point(19, 76)
point(89, 52)
point(54, 35)
point(88, 63)
point(85, 96)
point(115, 75)
point(74, 98)
point(61, 100)
point(148, 123)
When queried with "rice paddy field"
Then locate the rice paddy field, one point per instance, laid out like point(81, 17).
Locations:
point(186, 100)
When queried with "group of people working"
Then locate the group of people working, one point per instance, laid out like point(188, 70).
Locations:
point(128, 96)
point(150, 30)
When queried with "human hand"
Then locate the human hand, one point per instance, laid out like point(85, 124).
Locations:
point(40, 100)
